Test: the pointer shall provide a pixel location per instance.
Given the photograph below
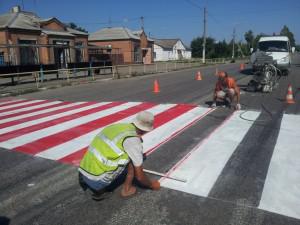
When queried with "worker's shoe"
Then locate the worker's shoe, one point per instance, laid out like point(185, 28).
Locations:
point(100, 195)
point(213, 105)
point(129, 192)
point(227, 103)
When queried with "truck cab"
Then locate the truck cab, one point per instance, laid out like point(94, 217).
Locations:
point(279, 48)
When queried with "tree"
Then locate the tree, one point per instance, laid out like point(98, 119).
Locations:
point(249, 37)
point(75, 27)
point(222, 49)
point(286, 32)
point(256, 39)
point(197, 46)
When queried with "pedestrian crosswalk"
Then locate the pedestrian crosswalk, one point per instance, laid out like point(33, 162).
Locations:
point(62, 131)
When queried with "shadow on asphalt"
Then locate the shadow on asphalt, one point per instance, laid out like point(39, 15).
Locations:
point(247, 72)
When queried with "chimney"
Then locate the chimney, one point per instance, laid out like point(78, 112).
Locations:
point(16, 9)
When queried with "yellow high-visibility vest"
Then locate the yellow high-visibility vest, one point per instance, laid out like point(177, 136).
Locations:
point(106, 154)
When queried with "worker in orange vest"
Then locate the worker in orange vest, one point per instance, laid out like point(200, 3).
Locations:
point(226, 90)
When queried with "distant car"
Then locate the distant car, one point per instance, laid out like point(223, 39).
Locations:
point(276, 46)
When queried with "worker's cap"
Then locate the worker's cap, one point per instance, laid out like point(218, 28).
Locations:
point(221, 74)
point(144, 121)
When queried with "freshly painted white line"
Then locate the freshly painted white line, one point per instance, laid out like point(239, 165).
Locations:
point(281, 193)
point(157, 136)
point(10, 101)
point(74, 145)
point(25, 115)
point(33, 136)
point(48, 118)
point(202, 166)
point(20, 104)
point(24, 109)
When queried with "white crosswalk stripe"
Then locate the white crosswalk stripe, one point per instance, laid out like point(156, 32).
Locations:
point(29, 108)
point(20, 104)
point(10, 101)
point(206, 161)
point(48, 118)
point(281, 193)
point(26, 115)
point(30, 137)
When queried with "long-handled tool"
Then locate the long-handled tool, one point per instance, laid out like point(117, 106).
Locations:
point(164, 175)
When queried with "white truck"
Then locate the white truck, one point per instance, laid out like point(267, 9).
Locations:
point(276, 46)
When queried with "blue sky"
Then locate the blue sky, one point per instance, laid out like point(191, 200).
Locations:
point(172, 18)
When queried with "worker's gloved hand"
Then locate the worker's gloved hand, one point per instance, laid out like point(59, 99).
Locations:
point(238, 106)
point(213, 105)
point(155, 185)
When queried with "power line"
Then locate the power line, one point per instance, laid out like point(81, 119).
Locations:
point(193, 4)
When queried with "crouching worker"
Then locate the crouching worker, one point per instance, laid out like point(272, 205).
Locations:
point(114, 153)
point(227, 91)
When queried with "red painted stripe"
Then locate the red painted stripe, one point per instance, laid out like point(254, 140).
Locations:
point(8, 100)
point(24, 106)
point(66, 135)
point(33, 110)
point(26, 130)
point(12, 103)
point(170, 114)
point(30, 118)
point(180, 162)
point(160, 119)
point(74, 158)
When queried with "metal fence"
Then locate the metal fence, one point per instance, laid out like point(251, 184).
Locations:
point(40, 78)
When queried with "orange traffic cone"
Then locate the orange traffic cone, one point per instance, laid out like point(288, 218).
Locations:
point(242, 66)
point(289, 96)
point(198, 76)
point(156, 87)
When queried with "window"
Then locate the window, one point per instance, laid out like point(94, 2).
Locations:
point(78, 52)
point(273, 46)
point(28, 53)
point(137, 54)
point(61, 53)
point(1, 58)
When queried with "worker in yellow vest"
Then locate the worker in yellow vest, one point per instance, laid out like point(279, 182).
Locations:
point(117, 149)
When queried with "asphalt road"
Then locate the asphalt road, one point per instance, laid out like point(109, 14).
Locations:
point(36, 191)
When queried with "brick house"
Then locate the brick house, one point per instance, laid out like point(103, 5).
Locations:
point(26, 39)
point(134, 46)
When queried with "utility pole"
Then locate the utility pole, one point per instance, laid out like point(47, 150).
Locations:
point(233, 40)
point(204, 36)
point(23, 5)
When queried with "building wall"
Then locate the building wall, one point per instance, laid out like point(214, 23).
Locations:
point(126, 49)
point(84, 41)
point(161, 55)
point(3, 41)
point(165, 55)
point(53, 26)
point(144, 40)
point(45, 54)
point(14, 37)
point(44, 51)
